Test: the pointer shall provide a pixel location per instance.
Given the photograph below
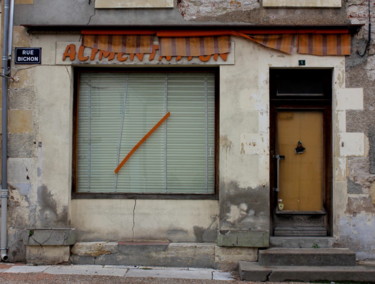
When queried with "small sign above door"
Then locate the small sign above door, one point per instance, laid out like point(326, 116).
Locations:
point(28, 55)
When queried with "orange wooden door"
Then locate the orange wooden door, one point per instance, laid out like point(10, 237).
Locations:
point(301, 172)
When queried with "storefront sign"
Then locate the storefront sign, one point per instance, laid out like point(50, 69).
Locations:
point(28, 55)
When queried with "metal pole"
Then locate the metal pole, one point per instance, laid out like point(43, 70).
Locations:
point(10, 28)
point(4, 152)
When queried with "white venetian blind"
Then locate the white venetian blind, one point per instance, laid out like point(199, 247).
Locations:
point(115, 110)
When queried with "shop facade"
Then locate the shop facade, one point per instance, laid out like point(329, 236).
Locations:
point(185, 146)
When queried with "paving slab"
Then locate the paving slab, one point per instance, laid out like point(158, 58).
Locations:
point(162, 273)
point(220, 275)
point(26, 269)
point(86, 270)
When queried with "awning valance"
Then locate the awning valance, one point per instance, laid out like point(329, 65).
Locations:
point(324, 45)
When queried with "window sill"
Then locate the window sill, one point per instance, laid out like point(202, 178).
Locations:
point(87, 195)
point(118, 4)
point(302, 3)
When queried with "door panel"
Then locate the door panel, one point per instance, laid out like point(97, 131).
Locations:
point(301, 177)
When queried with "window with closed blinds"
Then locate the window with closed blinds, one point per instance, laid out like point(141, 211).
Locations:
point(116, 110)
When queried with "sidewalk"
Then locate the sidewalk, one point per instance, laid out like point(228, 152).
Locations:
point(56, 274)
point(20, 273)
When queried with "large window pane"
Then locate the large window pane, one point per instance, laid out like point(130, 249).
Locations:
point(115, 110)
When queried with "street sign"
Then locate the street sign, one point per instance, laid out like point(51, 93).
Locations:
point(28, 55)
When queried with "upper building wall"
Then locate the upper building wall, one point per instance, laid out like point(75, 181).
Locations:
point(178, 12)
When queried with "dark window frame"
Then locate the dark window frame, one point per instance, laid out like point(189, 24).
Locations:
point(88, 195)
point(304, 103)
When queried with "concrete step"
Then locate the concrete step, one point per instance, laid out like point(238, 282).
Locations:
point(252, 271)
point(305, 242)
point(314, 231)
point(307, 256)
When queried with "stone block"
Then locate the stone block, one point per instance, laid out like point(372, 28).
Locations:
point(227, 258)
point(21, 145)
point(349, 99)
point(22, 98)
point(164, 273)
point(86, 270)
point(175, 254)
point(302, 3)
point(39, 255)
point(307, 257)
point(352, 144)
point(371, 138)
point(50, 237)
point(232, 238)
point(134, 4)
point(20, 121)
point(94, 248)
point(372, 193)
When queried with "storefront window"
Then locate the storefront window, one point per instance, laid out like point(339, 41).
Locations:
point(115, 110)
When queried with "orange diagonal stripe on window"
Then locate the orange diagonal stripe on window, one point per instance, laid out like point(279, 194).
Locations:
point(140, 142)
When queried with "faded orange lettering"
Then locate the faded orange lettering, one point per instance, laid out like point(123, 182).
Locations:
point(106, 54)
point(121, 57)
point(94, 51)
point(70, 51)
point(81, 53)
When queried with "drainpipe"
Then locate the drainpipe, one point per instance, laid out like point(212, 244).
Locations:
point(4, 171)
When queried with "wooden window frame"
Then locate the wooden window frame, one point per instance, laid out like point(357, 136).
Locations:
point(123, 195)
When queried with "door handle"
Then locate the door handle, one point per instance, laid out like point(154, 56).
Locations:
point(278, 159)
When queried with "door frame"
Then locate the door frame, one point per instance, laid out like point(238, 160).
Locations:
point(303, 103)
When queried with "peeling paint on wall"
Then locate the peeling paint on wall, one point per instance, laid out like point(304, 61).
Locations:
point(48, 214)
point(244, 208)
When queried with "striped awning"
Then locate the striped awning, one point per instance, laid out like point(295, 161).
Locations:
point(283, 42)
point(205, 44)
point(194, 46)
point(129, 44)
point(324, 45)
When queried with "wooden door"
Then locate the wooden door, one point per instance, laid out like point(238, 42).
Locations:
point(301, 150)
point(300, 141)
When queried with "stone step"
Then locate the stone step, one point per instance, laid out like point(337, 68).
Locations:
point(307, 256)
point(314, 231)
point(252, 271)
point(305, 242)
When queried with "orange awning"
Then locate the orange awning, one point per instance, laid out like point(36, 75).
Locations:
point(128, 44)
point(194, 46)
point(324, 45)
point(207, 43)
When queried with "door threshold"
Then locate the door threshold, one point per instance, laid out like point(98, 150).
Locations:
point(292, 212)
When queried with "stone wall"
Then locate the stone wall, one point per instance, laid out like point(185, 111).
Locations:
point(357, 224)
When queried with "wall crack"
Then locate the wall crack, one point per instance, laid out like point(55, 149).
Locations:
point(135, 204)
